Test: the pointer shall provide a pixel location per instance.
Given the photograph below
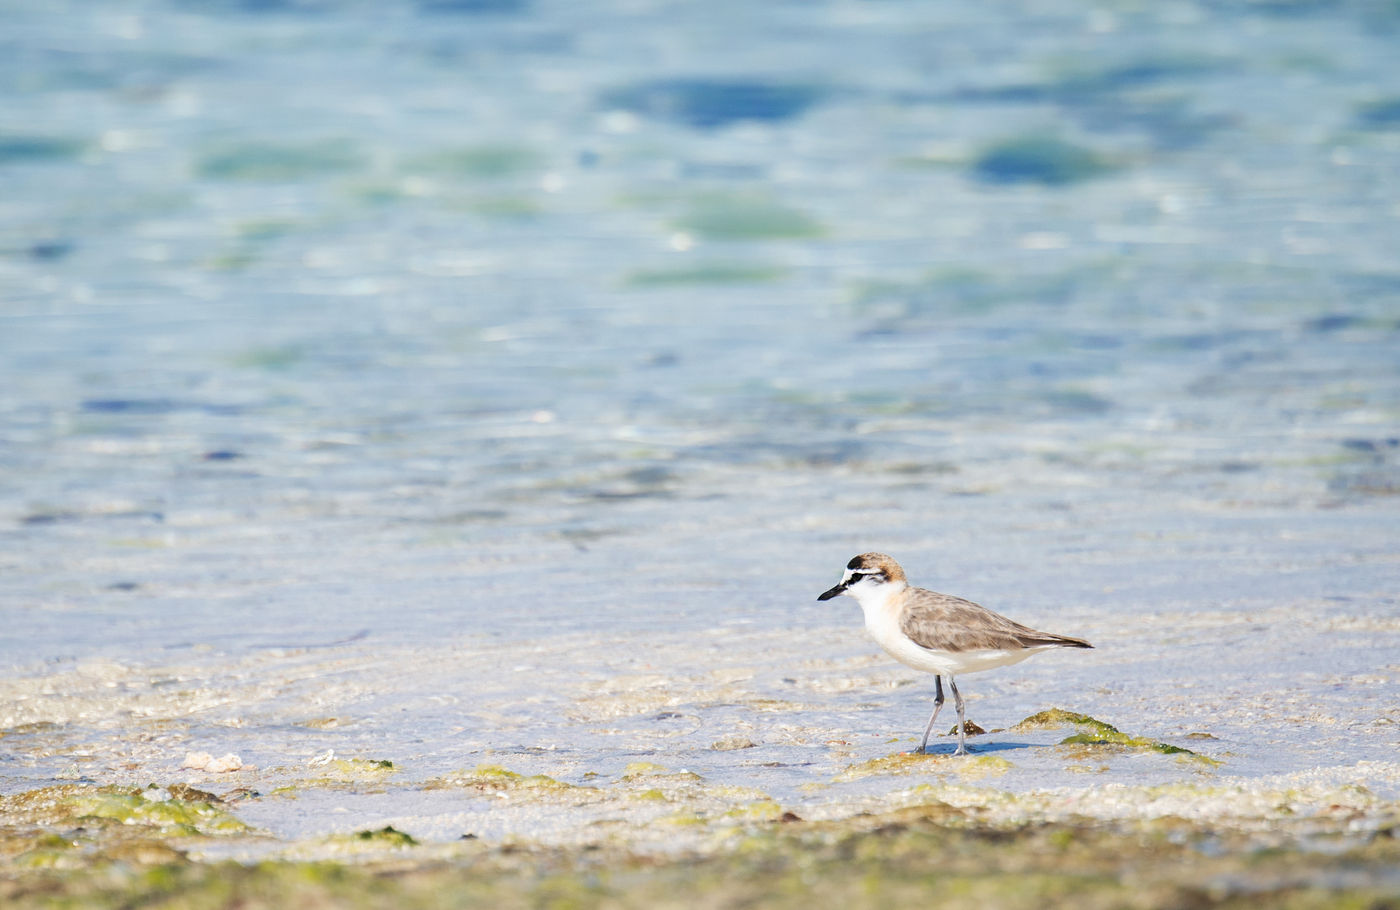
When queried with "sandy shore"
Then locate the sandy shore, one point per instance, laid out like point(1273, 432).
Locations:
point(698, 763)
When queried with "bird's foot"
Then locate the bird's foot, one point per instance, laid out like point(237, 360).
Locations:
point(962, 750)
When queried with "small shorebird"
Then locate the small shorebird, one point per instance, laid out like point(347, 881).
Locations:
point(937, 633)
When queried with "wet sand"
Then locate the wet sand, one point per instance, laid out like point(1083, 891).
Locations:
point(571, 770)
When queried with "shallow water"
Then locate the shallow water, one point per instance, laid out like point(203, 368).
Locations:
point(461, 383)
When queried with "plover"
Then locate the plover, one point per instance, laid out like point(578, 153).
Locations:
point(937, 633)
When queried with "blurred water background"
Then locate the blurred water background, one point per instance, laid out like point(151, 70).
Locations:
point(457, 323)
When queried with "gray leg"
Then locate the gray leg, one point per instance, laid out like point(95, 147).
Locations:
point(937, 706)
point(962, 718)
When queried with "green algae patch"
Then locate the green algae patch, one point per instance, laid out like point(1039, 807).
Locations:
point(977, 767)
point(760, 811)
point(48, 859)
point(898, 763)
point(495, 779)
point(917, 856)
point(152, 812)
point(1094, 732)
point(1123, 739)
point(970, 766)
point(339, 772)
point(166, 816)
point(1059, 717)
point(370, 844)
point(732, 794)
point(389, 836)
point(637, 769)
point(48, 850)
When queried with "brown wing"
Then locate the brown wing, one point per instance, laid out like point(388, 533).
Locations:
point(942, 622)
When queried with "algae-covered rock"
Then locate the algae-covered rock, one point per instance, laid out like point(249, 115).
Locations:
point(1059, 717)
point(168, 816)
point(969, 728)
point(1094, 732)
point(731, 743)
point(154, 811)
point(72, 827)
point(367, 844)
point(389, 836)
point(191, 794)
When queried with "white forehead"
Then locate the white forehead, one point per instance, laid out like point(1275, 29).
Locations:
point(867, 575)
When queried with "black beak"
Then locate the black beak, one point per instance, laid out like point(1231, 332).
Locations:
point(827, 595)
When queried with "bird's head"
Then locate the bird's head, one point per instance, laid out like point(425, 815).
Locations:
point(865, 574)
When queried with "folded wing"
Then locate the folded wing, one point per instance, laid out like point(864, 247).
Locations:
point(942, 622)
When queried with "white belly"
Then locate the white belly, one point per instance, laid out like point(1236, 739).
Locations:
point(882, 622)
